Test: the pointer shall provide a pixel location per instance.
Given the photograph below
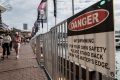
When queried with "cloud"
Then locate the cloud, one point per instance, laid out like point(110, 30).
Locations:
point(23, 11)
point(117, 5)
point(64, 9)
point(117, 14)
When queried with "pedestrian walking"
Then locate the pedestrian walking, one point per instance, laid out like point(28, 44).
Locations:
point(11, 45)
point(6, 45)
point(16, 43)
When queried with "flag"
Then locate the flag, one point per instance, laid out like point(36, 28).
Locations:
point(36, 26)
point(42, 17)
point(54, 1)
point(42, 5)
point(33, 31)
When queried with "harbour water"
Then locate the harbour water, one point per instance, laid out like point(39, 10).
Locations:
point(118, 64)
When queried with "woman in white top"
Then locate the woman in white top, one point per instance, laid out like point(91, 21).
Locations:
point(6, 45)
point(16, 42)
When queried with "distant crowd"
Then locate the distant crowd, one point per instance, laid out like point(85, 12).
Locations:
point(10, 42)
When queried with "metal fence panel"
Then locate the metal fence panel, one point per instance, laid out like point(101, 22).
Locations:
point(58, 62)
point(56, 59)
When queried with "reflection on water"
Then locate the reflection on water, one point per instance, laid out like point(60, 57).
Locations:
point(118, 64)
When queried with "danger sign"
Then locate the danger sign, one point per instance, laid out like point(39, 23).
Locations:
point(88, 20)
point(91, 38)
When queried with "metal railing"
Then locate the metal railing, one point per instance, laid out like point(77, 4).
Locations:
point(69, 51)
point(51, 49)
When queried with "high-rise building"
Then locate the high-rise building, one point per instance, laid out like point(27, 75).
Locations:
point(25, 26)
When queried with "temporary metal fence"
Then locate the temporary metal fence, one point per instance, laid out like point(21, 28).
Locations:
point(57, 54)
point(51, 49)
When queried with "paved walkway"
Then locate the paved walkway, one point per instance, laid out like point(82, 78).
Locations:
point(24, 68)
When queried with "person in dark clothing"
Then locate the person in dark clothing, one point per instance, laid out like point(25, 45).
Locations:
point(10, 45)
point(6, 45)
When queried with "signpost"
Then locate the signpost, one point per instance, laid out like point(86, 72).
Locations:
point(91, 38)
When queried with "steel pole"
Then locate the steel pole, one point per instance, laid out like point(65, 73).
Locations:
point(72, 7)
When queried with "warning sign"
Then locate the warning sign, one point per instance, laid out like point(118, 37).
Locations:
point(91, 38)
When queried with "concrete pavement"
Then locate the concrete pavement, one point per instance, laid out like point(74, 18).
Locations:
point(24, 68)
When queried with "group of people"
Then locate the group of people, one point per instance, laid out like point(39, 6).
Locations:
point(9, 43)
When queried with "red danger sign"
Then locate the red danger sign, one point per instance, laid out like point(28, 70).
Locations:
point(88, 20)
point(91, 38)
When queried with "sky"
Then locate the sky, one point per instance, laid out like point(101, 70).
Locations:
point(117, 14)
point(25, 11)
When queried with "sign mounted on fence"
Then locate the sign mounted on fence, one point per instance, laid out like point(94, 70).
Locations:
point(91, 38)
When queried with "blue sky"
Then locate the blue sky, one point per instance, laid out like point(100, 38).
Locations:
point(25, 11)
